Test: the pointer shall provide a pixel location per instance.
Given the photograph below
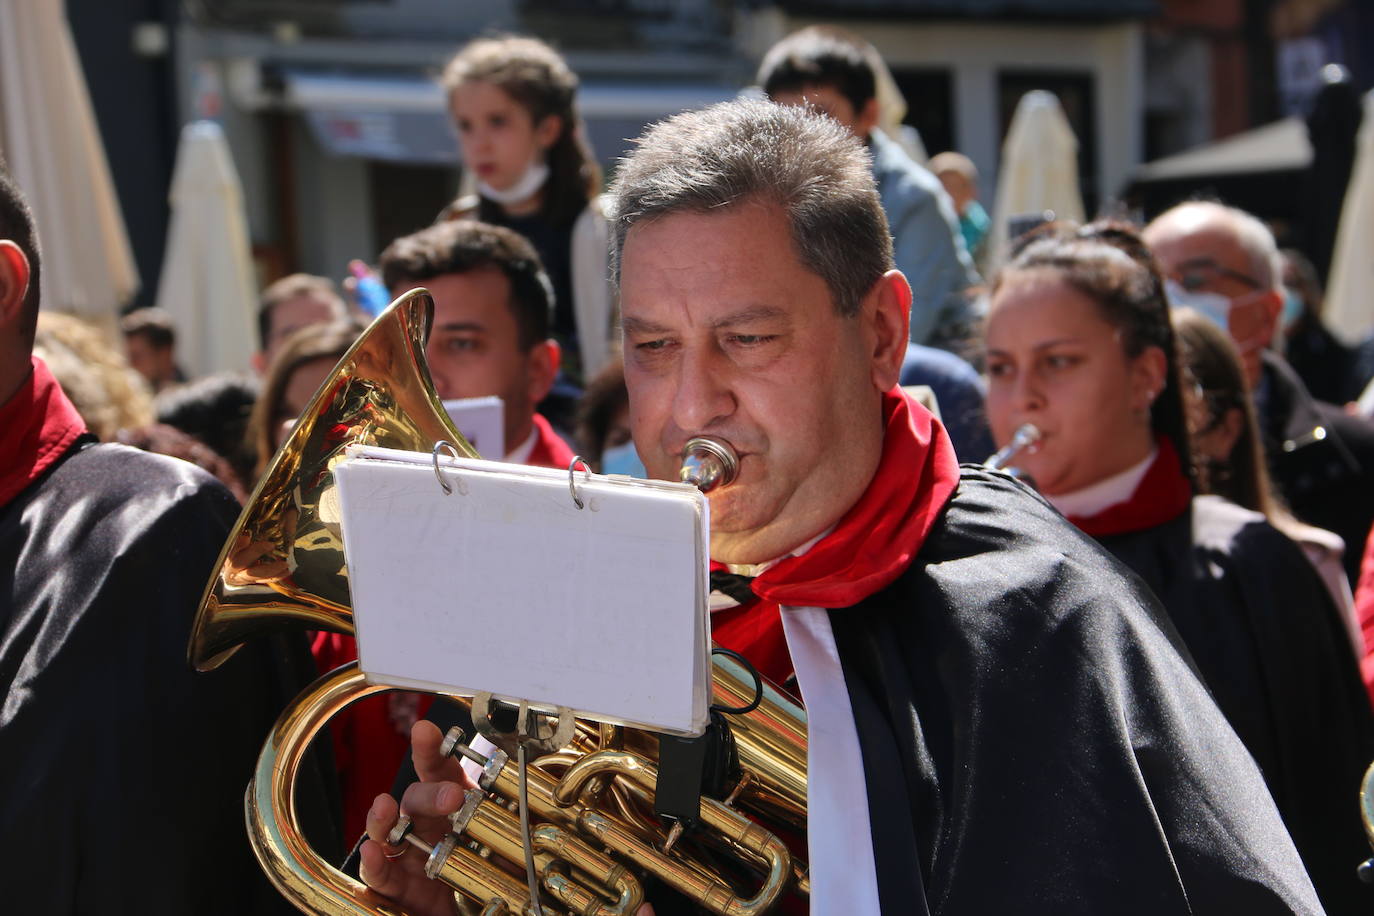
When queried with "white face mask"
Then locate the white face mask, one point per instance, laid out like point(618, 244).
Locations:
point(525, 187)
point(1213, 306)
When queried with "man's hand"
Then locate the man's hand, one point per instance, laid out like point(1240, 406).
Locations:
point(428, 804)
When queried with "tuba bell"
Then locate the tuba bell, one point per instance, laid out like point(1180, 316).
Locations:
point(283, 566)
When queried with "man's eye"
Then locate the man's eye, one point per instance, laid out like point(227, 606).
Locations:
point(651, 345)
point(460, 344)
point(752, 340)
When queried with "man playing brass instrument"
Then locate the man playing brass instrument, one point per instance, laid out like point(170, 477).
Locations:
point(999, 719)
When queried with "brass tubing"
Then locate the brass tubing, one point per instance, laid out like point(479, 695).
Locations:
point(731, 825)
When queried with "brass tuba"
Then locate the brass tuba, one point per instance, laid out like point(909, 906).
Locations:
point(283, 565)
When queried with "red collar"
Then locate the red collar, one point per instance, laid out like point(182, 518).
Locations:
point(876, 540)
point(39, 425)
point(1161, 496)
point(550, 451)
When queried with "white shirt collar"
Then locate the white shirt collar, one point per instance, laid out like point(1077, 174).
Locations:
point(1104, 494)
point(521, 453)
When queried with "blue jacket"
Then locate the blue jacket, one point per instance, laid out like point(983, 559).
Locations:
point(927, 244)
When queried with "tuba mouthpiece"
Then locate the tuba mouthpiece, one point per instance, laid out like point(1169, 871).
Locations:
point(708, 463)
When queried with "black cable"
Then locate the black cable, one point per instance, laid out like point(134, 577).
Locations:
point(758, 684)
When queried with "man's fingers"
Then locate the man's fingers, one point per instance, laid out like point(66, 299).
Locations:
point(427, 800)
point(430, 765)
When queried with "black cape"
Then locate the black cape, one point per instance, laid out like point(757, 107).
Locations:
point(1269, 643)
point(117, 760)
point(1321, 459)
point(1035, 741)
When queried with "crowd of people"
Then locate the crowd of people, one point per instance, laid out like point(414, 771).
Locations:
point(1134, 675)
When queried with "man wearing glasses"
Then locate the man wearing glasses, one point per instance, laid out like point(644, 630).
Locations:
point(1223, 262)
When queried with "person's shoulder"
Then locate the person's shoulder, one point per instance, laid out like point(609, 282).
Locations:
point(1003, 534)
point(895, 171)
point(923, 364)
point(115, 475)
point(1233, 537)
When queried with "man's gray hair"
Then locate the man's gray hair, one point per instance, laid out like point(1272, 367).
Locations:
point(1253, 237)
point(749, 150)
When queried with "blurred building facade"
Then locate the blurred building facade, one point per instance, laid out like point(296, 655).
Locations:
point(342, 140)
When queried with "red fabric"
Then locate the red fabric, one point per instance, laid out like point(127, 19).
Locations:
point(1364, 613)
point(37, 426)
point(1161, 496)
point(550, 451)
point(372, 736)
point(870, 547)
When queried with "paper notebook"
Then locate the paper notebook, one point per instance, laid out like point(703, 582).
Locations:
point(482, 423)
point(504, 585)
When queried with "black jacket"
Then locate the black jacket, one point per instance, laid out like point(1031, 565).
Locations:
point(116, 758)
point(1321, 459)
point(1270, 644)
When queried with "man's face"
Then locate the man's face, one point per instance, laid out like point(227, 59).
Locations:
point(474, 348)
point(727, 334)
point(829, 101)
point(153, 363)
point(1200, 251)
point(290, 316)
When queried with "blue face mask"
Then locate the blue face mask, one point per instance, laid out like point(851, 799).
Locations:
point(1213, 306)
point(1292, 308)
point(623, 459)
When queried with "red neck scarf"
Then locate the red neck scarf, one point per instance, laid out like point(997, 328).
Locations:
point(550, 451)
point(1161, 496)
point(870, 547)
point(37, 426)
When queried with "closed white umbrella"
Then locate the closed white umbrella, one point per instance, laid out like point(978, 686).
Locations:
point(1349, 311)
point(1039, 167)
point(207, 280)
point(49, 137)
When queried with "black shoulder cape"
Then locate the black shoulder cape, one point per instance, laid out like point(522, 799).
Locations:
point(1269, 643)
point(117, 760)
point(1035, 741)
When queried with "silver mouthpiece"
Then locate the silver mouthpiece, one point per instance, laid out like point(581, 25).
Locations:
point(708, 463)
point(1025, 436)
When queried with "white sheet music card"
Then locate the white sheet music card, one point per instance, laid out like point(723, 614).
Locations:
point(505, 586)
point(482, 423)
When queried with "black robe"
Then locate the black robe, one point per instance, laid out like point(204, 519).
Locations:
point(122, 770)
point(1320, 457)
point(1269, 643)
point(1034, 740)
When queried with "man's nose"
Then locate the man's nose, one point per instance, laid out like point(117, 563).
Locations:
point(704, 394)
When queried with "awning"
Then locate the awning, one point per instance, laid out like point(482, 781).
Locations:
point(405, 118)
point(1276, 147)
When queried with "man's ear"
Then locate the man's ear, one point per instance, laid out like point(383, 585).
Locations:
point(545, 358)
point(888, 306)
point(866, 118)
point(14, 280)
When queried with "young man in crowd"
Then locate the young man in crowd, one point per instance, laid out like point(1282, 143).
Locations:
point(825, 68)
point(292, 303)
point(492, 311)
point(999, 719)
point(150, 343)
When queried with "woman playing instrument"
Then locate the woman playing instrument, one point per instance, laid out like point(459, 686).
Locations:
point(1079, 343)
point(513, 103)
